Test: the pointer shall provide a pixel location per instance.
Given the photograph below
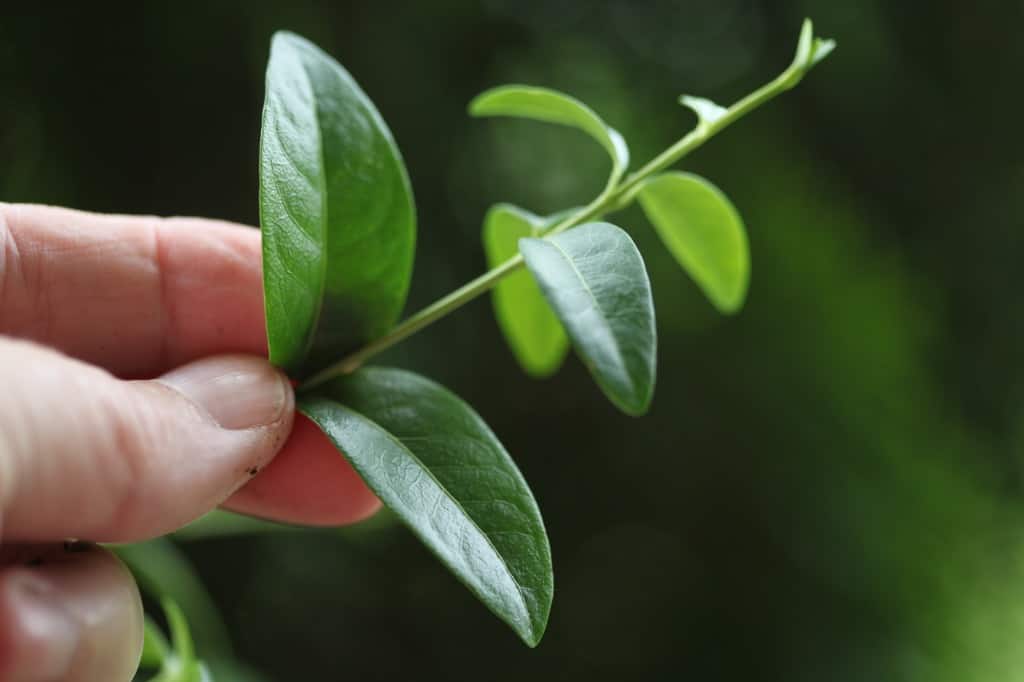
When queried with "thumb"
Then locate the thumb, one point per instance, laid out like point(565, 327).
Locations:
point(86, 455)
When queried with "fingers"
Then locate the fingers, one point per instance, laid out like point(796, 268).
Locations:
point(308, 482)
point(85, 455)
point(68, 616)
point(139, 295)
point(136, 295)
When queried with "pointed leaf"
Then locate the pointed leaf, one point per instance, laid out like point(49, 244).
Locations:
point(336, 211)
point(809, 51)
point(434, 462)
point(533, 332)
point(551, 106)
point(704, 232)
point(595, 280)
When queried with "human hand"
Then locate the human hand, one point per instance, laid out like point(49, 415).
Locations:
point(135, 397)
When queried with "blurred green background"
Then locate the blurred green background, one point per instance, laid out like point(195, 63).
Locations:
point(829, 485)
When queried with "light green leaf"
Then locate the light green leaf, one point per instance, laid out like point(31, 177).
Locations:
point(434, 462)
point(177, 662)
point(707, 111)
point(162, 570)
point(809, 51)
point(533, 332)
point(704, 232)
point(336, 211)
point(551, 106)
point(595, 280)
point(154, 645)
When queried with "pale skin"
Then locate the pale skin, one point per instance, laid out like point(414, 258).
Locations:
point(134, 397)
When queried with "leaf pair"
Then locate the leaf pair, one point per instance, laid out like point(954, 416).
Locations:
point(338, 229)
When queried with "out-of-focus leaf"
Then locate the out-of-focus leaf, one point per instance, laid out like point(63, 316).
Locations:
point(435, 463)
point(336, 211)
point(533, 332)
point(154, 645)
point(704, 232)
point(162, 570)
point(596, 282)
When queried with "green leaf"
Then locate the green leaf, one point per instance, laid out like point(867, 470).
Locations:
point(336, 211)
point(704, 232)
point(534, 334)
point(163, 571)
point(154, 645)
point(809, 51)
point(551, 106)
point(594, 278)
point(181, 638)
point(434, 462)
point(707, 111)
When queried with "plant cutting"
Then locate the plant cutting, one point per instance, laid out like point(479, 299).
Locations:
point(338, 222)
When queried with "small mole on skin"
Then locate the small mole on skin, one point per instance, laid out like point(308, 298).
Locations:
point(252, 471)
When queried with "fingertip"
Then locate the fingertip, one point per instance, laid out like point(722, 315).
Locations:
point(309, 482)
point(69, 613)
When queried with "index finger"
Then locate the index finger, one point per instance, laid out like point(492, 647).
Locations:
point(136, 295)
point(140, 295)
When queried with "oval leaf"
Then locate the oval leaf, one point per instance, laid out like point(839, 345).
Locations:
point(434, 462)
point(594, 278)
point(336, 211)
point(704, 232)
point(551, 106)
point(534, 334)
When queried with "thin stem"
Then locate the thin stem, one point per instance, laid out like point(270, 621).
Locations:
point(612, 199)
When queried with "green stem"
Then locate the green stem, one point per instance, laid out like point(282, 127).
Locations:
point(613, 199)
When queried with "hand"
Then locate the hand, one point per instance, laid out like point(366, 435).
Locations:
point(134, 397)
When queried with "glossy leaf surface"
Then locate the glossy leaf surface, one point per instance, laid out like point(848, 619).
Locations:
point(534, 334)
point(551, 106)
point(336, 211)
point(434, 462)
point(596, 282)
point(704, 232)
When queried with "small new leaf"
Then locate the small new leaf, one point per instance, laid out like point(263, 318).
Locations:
point(809, 51)
point(435, 463)
point(551, 106)
point(534, 334)
point(336, 211)
point(704, 232)
point(707, 111)
point(596, 282)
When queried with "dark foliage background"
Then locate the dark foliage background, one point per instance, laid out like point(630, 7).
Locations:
point(828, 486)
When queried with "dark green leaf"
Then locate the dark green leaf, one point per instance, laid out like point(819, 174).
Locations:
point(542, 104)
point(435, 463)
point(336, 211)
point(533, 332)
point(704, 232)
point(594, 278)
